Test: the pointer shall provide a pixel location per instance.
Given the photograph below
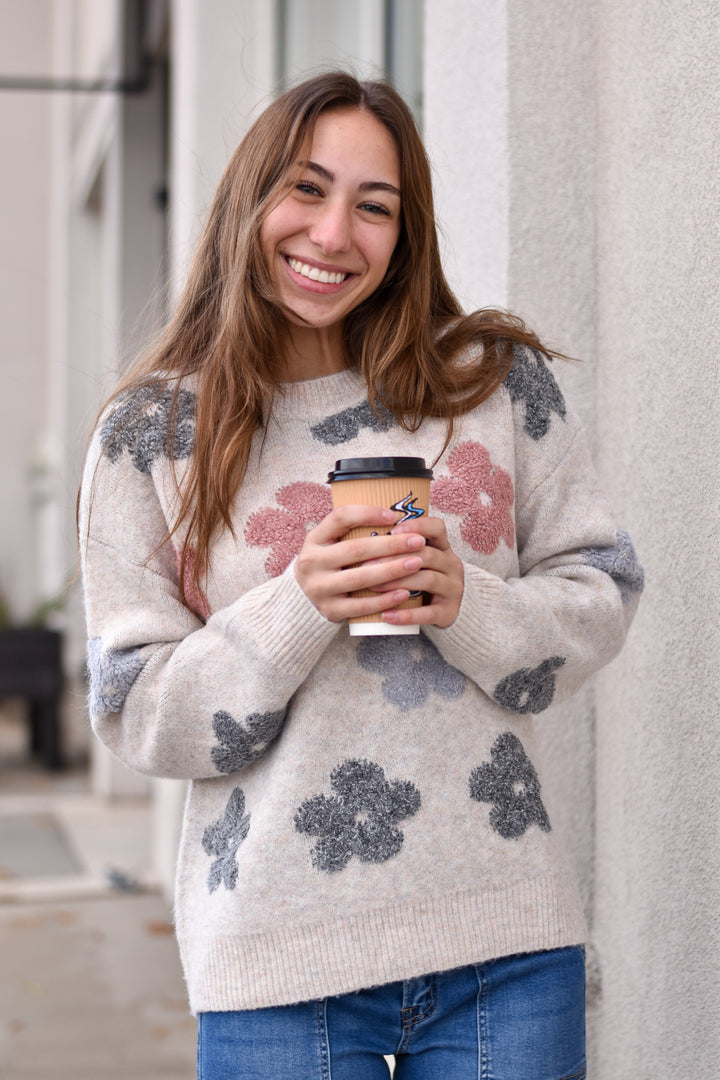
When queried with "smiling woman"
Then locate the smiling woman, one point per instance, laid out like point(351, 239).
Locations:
point(233, 334)
point(367, 861)
point(328, 243)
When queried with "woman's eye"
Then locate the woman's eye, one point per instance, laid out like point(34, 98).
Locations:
point(376, 208)
point(308, 188)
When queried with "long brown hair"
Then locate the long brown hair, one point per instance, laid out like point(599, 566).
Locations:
point(419, 354)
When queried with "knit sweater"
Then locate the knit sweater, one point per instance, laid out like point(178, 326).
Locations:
point(361, 809)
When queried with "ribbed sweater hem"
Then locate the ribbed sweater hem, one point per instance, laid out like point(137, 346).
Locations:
point(307, 962)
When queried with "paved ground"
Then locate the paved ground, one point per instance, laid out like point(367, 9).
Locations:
point(90, 981)
point(92, 989)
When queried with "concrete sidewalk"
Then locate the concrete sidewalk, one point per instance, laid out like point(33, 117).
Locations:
point(91, 985)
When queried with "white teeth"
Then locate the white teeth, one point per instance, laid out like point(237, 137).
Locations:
point(312, 272)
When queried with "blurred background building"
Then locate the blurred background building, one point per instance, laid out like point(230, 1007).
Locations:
point(576, 157)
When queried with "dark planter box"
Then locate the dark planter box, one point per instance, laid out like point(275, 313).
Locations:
point(31, 668)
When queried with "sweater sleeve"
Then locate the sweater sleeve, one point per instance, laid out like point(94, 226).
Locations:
point(170, 694)
point(532, 639)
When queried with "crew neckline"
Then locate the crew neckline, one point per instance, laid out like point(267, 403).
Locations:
point(320, 394)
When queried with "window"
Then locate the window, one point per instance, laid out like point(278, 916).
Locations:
point(374, 38)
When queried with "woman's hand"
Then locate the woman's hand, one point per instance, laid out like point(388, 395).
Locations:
point(441, 576)
point(327, 567)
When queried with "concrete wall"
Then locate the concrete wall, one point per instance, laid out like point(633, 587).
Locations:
point(658, 867)
point(600, 225)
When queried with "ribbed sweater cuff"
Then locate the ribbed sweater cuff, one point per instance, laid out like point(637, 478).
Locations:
point(476, 637)
point(281, 622)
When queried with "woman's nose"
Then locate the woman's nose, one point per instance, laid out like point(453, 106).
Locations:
point(331, 229)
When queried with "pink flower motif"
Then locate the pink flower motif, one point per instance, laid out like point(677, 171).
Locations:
point(482, 493)
point(195, 598)
point(305, 505)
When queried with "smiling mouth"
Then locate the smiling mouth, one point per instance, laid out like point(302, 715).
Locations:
point(325, 277)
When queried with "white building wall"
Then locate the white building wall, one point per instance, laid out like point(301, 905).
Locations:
point(658, 768)
point(607, 241)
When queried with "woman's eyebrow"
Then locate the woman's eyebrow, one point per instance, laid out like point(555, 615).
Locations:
point(367, 185)
point(380, 185)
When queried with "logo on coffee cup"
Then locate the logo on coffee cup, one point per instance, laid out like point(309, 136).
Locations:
point(405, 507)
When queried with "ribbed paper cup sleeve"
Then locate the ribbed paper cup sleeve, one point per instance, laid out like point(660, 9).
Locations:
point(403, 494)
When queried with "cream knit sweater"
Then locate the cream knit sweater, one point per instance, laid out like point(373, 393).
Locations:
point(361, 810)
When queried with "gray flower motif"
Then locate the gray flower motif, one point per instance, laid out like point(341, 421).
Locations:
point(360, 818)
point(112, 673)
point(413, 669)
point(223, 838)
point(620, 562)
point(510, 782)
point(529, 690)
point(141, 424)
point(240, 745)
point(346, 425)
point(532, 383)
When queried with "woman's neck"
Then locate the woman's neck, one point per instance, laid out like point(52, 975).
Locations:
point(312, 352)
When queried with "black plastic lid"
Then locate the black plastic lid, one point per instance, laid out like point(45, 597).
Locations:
point(376, 468)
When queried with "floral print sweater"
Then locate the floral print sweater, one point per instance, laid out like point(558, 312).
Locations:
point(360, 810)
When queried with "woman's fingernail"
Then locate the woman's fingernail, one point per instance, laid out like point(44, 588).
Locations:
point(413, 564)
point(416, 541)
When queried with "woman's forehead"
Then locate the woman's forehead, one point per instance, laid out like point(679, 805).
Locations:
point(353, 139)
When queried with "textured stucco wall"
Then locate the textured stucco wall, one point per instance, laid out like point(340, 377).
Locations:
point(551, 182)
point(603, 229)
point(658, 871)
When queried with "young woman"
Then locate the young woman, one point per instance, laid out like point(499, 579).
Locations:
point(367, 865)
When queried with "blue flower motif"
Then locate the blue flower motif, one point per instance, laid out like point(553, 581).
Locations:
point(510, 782)
point(529, 690)
point(360, 818)
point(223, 838)
point(531, 382)
point(242, 745)
point(620, 562)
point(112, 673)
point(346, 425)
point(413, 669)
point(146, 425)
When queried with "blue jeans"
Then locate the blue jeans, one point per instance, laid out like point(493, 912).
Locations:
point(517, 1018)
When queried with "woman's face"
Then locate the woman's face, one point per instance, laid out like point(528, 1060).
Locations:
point(329, 242)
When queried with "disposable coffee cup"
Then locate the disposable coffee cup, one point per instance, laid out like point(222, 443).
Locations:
point(401, 484)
